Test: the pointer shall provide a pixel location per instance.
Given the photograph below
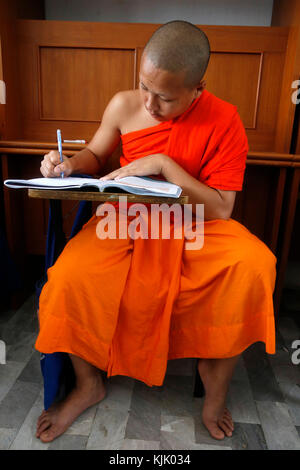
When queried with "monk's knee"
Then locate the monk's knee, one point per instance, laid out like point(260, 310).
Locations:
point(66, 269)
point(254, 256)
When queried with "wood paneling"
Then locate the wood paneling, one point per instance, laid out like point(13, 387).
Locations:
point(77, 83)
point(287, 14)
point(98, 59)
point(62, 75)
point(1, 66)
point(2, 105)
point(286, 110)
point(10, 10)
point(10, 69)
point(235, 77)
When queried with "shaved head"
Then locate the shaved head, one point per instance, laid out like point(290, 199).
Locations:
point(179, 46)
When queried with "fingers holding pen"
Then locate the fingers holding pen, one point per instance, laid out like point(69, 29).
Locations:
point(51, 165)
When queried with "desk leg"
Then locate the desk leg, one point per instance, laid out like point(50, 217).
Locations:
point(56, 238)
point(286, 240)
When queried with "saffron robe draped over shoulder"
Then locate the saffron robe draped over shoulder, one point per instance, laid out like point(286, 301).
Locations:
point(129, 305)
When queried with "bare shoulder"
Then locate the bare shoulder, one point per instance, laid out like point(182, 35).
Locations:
point(121, 107)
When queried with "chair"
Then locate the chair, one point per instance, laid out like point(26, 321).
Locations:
point(57, 368)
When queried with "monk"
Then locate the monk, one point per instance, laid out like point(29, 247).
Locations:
point(126, 306)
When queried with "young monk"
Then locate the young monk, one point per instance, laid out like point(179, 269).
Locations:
point(127, 306)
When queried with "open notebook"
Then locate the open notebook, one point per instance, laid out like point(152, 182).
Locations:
point(142, 185)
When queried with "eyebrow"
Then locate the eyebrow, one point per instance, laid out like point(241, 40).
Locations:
point(159, 94)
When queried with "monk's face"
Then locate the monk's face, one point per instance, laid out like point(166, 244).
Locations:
point(163, 93)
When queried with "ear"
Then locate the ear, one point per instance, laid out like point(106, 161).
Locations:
point(201, 85)
point(199, 88)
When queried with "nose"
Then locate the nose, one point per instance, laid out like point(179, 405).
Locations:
point(151, 103)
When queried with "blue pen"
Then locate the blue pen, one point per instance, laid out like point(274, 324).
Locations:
point(60, 148)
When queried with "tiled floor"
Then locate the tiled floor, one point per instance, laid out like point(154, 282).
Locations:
point(264, 399)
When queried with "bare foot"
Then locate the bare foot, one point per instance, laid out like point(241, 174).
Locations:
point(217, 420)
point(216, 375)
point(56, 420)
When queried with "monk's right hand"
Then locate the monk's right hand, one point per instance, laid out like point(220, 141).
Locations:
point(51, 165)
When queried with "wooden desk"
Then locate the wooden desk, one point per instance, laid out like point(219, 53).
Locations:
point(57, 238)
point(102, 197)
point(56, 197)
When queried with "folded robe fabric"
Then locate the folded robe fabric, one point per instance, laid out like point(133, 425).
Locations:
point(128, 305)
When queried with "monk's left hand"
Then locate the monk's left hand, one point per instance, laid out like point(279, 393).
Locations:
point(150, 165)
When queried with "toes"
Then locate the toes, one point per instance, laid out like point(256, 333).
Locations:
point(228, 419)
point(229, 423)
point(41, 417)
point(50, 434)
point(215, 431)
point(223, 424)
point(43, 426)
point(47, 436)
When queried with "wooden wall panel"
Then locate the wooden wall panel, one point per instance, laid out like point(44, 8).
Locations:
point(290, 17)
point(263, 136)
point(235, 77)
point(77, 83)
point(9, 47)
point(288, 14)
point(259, 181)
point(2, 98)
point(246, 69)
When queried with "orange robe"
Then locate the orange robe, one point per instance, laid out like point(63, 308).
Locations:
point(128, 305)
